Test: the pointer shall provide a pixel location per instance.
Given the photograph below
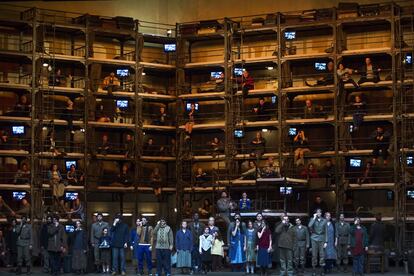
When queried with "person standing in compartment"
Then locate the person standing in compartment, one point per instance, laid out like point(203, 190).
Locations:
point(330, 250)
point(24, 245)
point(258, 145)
point(43, 244)
point(342, 240)
point(56, 245)
point(246, 82)
point(317, 227)
point(369, 72)
point(197, 229)
point(164, 242)
point(223, 206)
point(359, 246)
point(237, 245)
point(359, 108)
point(120, 235)
point(79, 247)
point(381, 144)
point(104, 246)
point(261, 110)
point(251, 240)
point(205, 244)
point(263, 247)
point(286, 232)
point(301, 245)
point(184, 245)
point(217, 252)
point(96, 233)
point(191, 117)
point(145, 233)
point(301, 144)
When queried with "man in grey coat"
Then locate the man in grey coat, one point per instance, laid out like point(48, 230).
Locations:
point(301, 245)
point(317, 227)
point(96, 233)
point(24, 245)
point(286, 233)
point(342, 240)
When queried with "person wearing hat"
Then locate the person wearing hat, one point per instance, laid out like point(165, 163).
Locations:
point(120, 237)
point(24, 245)
point(164, 242)
point(96, 233)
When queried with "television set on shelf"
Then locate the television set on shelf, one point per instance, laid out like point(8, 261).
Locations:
point(410, 161)
point(19, 195)
point(320, 66)
point(410, 194)
point(409, 59)
point(238, 133)
point(122, 104)
point(188, 106)
point(18, 130)
point(286, 190)
point(351, 128)
point(122, 72)
point(293, 131)
point(238, 71)
point(290, 35)
point(69, 228)
point(355, 163)
point(170, 47)
point(216, 75)
point(274, 99)
point(71, 196)
point(390, 195)
point(69, 163)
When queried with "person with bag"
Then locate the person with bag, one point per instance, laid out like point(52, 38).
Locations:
point(96, 233)
point(56, 245)
point(104, 246)
point(24, 245)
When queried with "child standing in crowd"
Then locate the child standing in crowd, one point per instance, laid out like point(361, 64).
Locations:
point(105, 250)
point(264, 246)
point(250, 247)
point(237, 242)
point(217, 252)
point(206, 242)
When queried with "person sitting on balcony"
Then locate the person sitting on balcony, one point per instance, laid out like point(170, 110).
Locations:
point(124, 177)
point(23, 107)
point(245, 203)
point(246, 82)
point(328, 172)
point(156, 181)
point(207, 209)
point(216, 146)
point(51, 143)
point(129, 146)
point(73, 177)
point(261, 110)
point(201, 176)
point(271, 169)
point(191, 116)
point(57, 79)
point(344, 75)
point(311, 111)
point(327, 79)
point(111, 83)
point(23, 175)
point(251, 171)
point(162, 117)
point(359, 108)
point(369, 72)
point(310, 172)
point(301, 143)
point(4, 140)
point(105, 147)
point(24, 209)
point(57, 185)
point(149, 148)
point(77, 210)
point(258, 145)
point(187, 209)
point(367, 174)
point(381, 145)
point(67, 114)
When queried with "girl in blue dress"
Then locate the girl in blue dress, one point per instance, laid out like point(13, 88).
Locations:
point(237, 248)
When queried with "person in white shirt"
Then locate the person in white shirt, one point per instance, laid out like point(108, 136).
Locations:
point(206, 242)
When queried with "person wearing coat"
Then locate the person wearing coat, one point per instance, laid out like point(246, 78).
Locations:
point(301, 245)
point(197, 228)
point(96, 233)
point(184, 245)
point(164, 242)
point(359, 246)
point(24, 245)
point(56, 244)
point(120, 236)
point(342, 240)
point(43, 244)
point(286, 241)
point(134, 240)
point(317, 227)
point(330, 250)
point(79, 249)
